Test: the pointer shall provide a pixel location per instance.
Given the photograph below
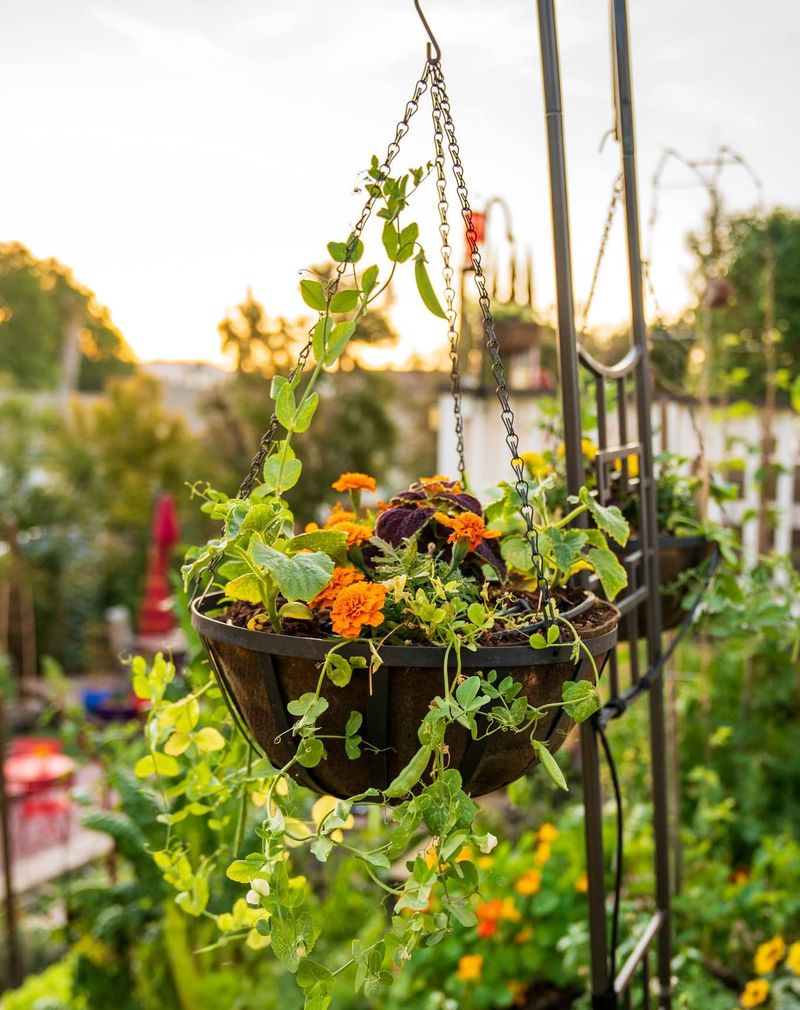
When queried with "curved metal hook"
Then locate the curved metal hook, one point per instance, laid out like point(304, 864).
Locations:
point(433, 42)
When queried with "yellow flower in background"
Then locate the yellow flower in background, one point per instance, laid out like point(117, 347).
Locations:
point(465, 854)
point(485, 862)
point(582, 884)
point(543, 853)
point(547, 833)
point(324, 806)
point(754, 993)
point(525, 934)
point(470, 967)
point(633, 465)
point(510, 911)
point(769, 954)
point(529, 883)
point(588, 449)
point(793, 958)
point(537, 465)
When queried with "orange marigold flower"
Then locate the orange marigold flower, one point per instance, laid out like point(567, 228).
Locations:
point(490, 910)
point(769, 954)
point(470, 967)
point(341, 578)
point(339, 515)
point(311, 527)
point(356, 606)
point(582, 884)
point(357, 533)
point(510, 910)
point(755, 993)
point(543, 851)
point(793, 957)
point(529, 883)
point(487, 928)
point(466, 526)
point(354, 482)
point(547, 833)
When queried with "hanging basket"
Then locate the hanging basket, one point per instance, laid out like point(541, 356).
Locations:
point(260, 673)
point(677, 555)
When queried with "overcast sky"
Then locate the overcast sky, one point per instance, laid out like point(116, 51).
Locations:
point(174, 152)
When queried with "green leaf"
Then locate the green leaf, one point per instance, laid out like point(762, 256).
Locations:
point(320, 336)
point(476, 614)
point(369, 279)
point(330, 542)
point(297, 611)
point(246, 587)
point(285, 407)
point(406, 242)
point(309, 973)
point(310, 752)
point(156, 764)
point(301, 577)
point(338, 669)
point(537, 640)
point(275, 385)
point(344, 301)
point(346, 252)
point(580, 699)
point(566, 546)
point(607, 518)
point(390, 240)
point(425, 288)
point(339, 338)
point(612, 575)
point(280, 481)
point(259, 517)
point(313, 295)
point(305, 412)
point(516, 552)
point(209, 739)
point(553, 634)
point(317, 998)
point(550, 765)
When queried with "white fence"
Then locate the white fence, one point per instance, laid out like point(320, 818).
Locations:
point(725, 436)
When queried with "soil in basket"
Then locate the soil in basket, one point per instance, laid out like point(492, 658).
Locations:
point(241, 613)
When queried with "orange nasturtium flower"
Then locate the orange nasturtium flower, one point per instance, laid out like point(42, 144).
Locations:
point(793, 958)
point(755, 993)
point(466, 526)
point(487, 928)
point(529, 883)
point(357, 533)
point(769, 954)
point(356, 606)
point(341, 578)
point(354, 482)
point(470, 967)
point(490, 911)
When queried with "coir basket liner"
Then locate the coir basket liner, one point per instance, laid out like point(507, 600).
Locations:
point(261, 673)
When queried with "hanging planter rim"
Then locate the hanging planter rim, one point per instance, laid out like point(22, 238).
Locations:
point(430, 656)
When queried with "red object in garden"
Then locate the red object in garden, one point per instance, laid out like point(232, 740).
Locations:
point(155, 615)
point(36, 772)
point(476, 233)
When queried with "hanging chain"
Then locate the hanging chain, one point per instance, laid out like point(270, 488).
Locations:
point(268, 437)
point(442, 104)
point(449, 292)
point(616, 193)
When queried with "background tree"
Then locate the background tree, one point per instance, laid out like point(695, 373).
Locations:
point(50, 325)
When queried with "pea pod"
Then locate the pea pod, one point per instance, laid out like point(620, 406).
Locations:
point(410, 775)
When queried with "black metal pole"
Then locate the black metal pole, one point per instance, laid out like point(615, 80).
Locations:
point(565, 302)
point(648, 531)
point(571, 418)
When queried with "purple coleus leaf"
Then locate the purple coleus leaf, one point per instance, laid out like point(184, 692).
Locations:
point(401, 521)
point(464, 501)
point(488, 552)
point(409, 496)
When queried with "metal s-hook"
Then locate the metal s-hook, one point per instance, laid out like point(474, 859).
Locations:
point(433, 42)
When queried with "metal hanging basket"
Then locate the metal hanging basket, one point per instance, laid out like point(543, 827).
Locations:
point(261, 673)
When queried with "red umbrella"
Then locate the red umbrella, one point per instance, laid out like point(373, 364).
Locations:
point(155, 614)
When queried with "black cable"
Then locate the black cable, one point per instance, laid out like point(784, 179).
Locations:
point(619, 854)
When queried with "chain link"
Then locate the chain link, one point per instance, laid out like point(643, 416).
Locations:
point(442, 103)
point(268, 437)
point(449, 291)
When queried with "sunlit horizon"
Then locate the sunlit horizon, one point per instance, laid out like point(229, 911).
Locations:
point(175, 157)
